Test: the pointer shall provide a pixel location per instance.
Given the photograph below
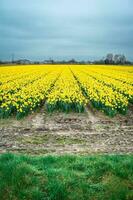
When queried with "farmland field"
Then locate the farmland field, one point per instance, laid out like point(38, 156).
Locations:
point(66, 100)
point(66, 109)
point(66, 132)
point(23, 89)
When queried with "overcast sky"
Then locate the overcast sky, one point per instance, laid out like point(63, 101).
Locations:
point(63, 29)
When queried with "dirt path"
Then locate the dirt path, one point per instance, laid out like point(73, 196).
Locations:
point(58, 133)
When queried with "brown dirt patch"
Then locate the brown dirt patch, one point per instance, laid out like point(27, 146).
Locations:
point(59, 133)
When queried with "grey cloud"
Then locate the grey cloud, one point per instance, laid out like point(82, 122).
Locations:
point(63, 28)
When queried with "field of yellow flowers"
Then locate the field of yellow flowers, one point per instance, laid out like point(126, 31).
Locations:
point(67, 88)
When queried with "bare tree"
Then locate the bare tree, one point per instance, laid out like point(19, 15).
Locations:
point(119, 59)
point(116, 58)
point(109, 58)
point(122, 59)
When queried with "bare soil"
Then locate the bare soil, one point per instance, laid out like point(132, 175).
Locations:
point(58, 133)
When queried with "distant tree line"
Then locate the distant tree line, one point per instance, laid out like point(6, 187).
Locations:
point(110, 59)
point(115, 59)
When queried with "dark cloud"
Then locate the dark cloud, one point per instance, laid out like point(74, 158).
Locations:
point(63, 28)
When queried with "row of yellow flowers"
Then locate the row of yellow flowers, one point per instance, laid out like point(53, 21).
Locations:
point(118, 85)
point(66, 94)
point(24, 88)
point(25, 94)
point(107, 94)
point(123, 74)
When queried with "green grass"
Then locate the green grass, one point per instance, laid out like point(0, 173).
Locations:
point(66, 177)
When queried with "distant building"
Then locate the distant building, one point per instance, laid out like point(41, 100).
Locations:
point(22, 61)
point(50, 61)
